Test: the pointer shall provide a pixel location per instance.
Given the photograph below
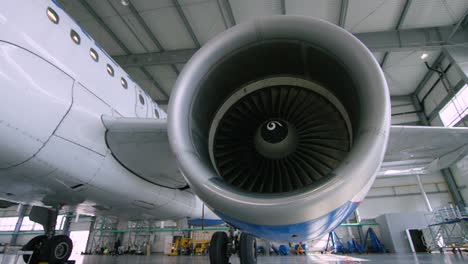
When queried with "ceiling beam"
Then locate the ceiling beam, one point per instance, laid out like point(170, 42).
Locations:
point(155, 58)
point(401, 20)
point(412, 39)
point(226, 13)
point(457, 26)
point(343, 13)
point(120, 43)
point(186, 23)
point(104, 26)
point(385, 41)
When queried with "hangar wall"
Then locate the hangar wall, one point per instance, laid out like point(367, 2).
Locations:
point(402, 194)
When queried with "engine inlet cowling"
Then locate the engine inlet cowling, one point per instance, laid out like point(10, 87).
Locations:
point(280, 121)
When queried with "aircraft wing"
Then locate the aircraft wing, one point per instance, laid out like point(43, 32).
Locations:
point(423, 150)
point(142, 146)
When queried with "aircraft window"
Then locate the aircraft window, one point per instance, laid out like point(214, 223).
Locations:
point(123, 82)
point(142, 100)
point(93, 55)
point(75, 37)
point(156, 113)
point(110, 70)
point(52, 15)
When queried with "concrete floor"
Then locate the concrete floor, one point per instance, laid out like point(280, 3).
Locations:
point(312, 258)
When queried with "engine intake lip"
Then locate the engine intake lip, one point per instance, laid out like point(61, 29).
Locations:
point(190, 108)
point(298, 161)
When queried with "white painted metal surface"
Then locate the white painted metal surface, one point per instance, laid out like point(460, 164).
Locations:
point(55, 95)
point(33, 103)
point(53, 145)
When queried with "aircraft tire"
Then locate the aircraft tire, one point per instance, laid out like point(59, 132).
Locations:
point(219, 248)
point(36, 244)
point(59, 249)
point(247, 249)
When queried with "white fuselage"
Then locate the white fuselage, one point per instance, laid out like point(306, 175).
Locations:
point(52, 144)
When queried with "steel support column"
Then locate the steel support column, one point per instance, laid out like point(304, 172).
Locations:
point(357, 216)
point(420, 110)
point(343, 13)
point(67, 223)
point(226, 13)
point(423, 193)
point(458, 56)
point(453, 188)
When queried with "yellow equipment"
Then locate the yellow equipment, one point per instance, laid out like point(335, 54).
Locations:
point(181, 246)
point(201, 247)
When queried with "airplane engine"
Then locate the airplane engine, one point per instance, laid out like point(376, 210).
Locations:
point(280, 125)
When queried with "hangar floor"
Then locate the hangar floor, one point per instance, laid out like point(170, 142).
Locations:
point(314, 258)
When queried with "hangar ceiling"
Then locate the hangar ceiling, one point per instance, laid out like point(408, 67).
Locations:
point(153, 39)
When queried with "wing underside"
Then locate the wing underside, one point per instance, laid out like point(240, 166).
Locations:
point(423, 150)
point(142, 146)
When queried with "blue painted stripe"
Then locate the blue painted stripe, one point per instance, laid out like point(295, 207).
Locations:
point(105, 54)
point(311, 229)
point(57, 4)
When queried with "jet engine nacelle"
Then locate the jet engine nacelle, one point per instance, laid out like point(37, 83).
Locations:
point(280, 125)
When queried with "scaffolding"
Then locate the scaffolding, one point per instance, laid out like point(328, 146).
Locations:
point(447, 228)
point(99, 240)
point(140, 235)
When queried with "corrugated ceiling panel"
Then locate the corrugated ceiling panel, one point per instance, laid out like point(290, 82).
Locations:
point(403, 70)
point(138, 33)
point(165, 23)
point(328, 10)
point(373, 15)
point(118, 26)
point(431, 13)
point(101, 36)
point(245, 10)
point(165, 76)
point(145, 83)
point(75, 10)
point(205, 18)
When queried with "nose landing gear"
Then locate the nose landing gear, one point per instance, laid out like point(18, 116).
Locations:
point(49, 247)
point(223, 246)
point(55, 250)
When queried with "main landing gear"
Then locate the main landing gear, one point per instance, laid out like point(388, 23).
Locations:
point(49, 247)
point(223, 246)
